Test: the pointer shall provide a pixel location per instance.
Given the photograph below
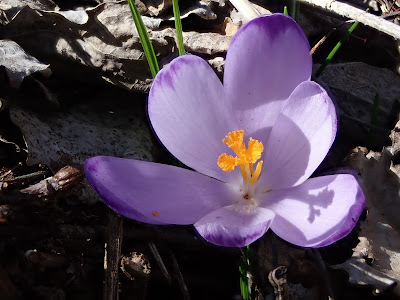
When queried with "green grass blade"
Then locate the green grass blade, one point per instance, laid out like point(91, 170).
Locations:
point(336, 48)
point(178, 27)
point(144, 39)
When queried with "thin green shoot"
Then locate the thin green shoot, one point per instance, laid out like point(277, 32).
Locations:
point(178, 27)
point(285, 11)
point(336, 48)
point(144, 39)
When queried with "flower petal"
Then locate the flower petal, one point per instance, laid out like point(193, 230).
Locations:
point(235, 225)
point(300, 138)
point(267, 58)
point(190, 116)
point(318, 212)
point(155, 193)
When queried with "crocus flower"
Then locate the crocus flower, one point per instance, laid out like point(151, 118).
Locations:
point(253, 143)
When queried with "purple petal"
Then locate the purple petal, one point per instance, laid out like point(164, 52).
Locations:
point(300, 138)
point(318, 212)
point(155, 193)
point(190, 116)
point(267, 58)
point(235, 225)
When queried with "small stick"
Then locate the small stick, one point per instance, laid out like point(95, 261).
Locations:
point(180, 279)
point(391, 14)
point(391, 6)
point(317, 45)
point(11, 170)
point(348, 11)
point(33, 175)
point(112, 255)
point(160, 262)
point(323, 39)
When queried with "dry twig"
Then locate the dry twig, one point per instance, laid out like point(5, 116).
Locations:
point(348, 11)
point(112, 255)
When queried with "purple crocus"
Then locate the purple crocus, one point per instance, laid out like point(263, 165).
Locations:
point(254, 142)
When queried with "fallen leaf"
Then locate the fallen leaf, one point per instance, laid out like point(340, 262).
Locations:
point(18, 63)
point(380, 232)
point(101, 43)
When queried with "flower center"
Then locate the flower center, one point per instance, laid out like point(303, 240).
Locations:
point(245, 157)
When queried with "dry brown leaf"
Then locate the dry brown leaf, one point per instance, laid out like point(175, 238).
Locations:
point(18, 63)
point(380, 232)
point(201, 9)
point(206, 43)
point(12, 7)
point(103, 46)
point(155, 7)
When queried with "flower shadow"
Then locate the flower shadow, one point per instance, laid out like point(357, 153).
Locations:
point(315, 219)
point(298, 158)
point(336, 232)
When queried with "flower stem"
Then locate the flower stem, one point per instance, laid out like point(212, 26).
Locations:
point(245, 275)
